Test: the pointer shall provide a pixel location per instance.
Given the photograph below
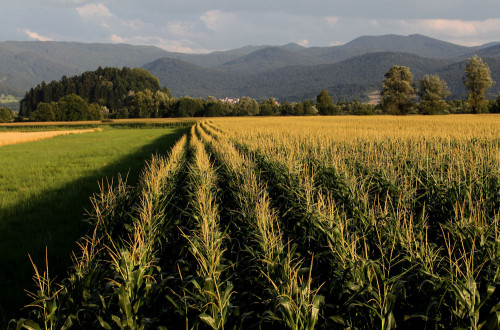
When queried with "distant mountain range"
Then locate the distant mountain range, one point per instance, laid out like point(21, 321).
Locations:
point(290, 72)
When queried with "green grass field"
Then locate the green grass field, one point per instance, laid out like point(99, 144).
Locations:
point(44, 191)
point(10, 101)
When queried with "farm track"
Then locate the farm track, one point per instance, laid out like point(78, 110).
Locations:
point(243, 231)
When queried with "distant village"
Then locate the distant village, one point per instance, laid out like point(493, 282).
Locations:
point(236, 100)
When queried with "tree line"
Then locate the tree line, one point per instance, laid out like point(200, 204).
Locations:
point(135, 93)
point(106, 87)
point(146, 104)
point(399, 91)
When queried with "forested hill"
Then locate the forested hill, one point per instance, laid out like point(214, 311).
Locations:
point(348, 79)
point(107, 87)
point(270, 58)
point(414, 44)
point(288, 72)
point(196, 81)
point(25, 64)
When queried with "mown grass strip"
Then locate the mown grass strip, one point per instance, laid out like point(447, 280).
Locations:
point(7, 138)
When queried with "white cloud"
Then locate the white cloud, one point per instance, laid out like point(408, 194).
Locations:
point(216, 20)
point(332, 20)
point(195, 26)
point(182, 45)
point(93, 11)
point(36, 36)
point(117, 39)
point(135, 24)
point(454, 27)
point(67, 2)
point(303, 42)
point(475, 42)
point(180, 28)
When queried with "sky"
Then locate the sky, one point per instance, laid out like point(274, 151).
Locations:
point(202, 26)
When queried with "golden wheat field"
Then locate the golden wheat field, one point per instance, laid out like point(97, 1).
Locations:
point(297, 223)
point(7, 138)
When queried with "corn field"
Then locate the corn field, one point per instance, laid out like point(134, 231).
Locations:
point(294, 223)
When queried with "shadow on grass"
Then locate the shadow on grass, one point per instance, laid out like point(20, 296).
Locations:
point(55, 220)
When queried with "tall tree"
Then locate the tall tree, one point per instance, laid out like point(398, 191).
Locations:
point(286, 109)
point(432, 93)
point(309, 108)
point(246, 107)
point(95, 112)
point(269, 107)
point(188, 107)
point(142, 104)
point(324, 103)
point(398, 92)
point(213, 107)
point(495, 105)
point(44, 112)
point(477, 81)
point(73, 107)
point(6, 115)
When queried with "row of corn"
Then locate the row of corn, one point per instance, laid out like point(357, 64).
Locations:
point(265, 223)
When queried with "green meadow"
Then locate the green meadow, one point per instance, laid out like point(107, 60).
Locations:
point(44, 193)
point(9, 99)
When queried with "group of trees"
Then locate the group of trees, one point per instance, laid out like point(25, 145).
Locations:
point(135, 93)
point(69, 108)
point(107, 87)
point(6, 115)
point(399, 91)
point(146, 104)
point(212, 107)
point(495, 105)
point(325, 106)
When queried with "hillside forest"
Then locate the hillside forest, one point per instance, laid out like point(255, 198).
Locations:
point(289, 72)
point(112, 93)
